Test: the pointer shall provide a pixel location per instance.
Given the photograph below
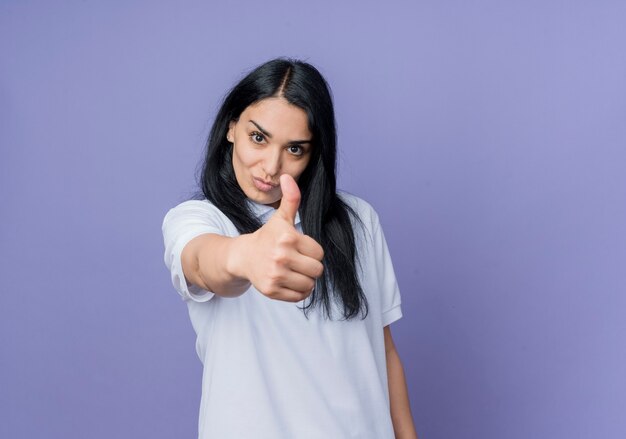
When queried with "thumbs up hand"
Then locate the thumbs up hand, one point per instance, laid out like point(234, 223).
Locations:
point(283, 263)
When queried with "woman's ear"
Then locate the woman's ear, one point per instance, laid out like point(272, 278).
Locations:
point(231, 128)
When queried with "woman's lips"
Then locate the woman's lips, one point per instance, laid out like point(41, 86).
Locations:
point(262, 185)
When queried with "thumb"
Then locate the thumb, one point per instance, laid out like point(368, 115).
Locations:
point(290, 201)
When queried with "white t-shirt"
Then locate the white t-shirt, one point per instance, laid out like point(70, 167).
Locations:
point(269, 373)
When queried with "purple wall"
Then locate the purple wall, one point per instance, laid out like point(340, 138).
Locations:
point(491, 138)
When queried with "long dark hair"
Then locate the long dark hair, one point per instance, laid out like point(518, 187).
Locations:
point(324, 216)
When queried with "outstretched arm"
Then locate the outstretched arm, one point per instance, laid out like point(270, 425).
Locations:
point(398, 394)
point(277, 259)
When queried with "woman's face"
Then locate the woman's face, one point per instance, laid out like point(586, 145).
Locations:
point(270, 138)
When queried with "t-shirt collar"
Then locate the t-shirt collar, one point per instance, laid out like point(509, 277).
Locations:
point(265, 211)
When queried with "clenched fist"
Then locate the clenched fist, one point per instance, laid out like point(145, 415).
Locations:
point(281, 262)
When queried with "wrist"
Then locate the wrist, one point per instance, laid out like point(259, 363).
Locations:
point(236, 264)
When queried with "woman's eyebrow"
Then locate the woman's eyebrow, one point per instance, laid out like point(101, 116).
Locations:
point(295, 142)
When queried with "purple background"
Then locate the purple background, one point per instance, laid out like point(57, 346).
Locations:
point(490, 136)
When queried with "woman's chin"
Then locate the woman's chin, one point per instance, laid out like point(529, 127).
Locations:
point(261, 197)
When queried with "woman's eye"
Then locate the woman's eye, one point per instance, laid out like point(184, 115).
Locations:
point(257, 137)
point(296, 150)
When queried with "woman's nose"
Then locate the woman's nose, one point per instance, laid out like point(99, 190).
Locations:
point(272, 163)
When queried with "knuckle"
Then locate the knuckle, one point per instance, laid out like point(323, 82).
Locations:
point(288, 239)
point(273, 277)
point(268, 289)
point(280, 257)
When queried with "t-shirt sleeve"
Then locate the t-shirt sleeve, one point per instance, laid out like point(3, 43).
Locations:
point(180, 225)
point(387, 282)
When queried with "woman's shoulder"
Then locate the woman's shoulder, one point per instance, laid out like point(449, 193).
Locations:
point(361, 207)
point(194, 206)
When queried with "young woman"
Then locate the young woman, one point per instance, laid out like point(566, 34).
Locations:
point(289, 283)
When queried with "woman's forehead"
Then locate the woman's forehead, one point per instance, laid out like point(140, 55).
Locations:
point(277, 117)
